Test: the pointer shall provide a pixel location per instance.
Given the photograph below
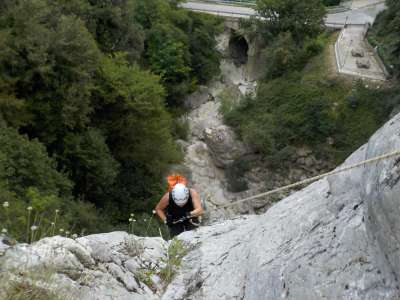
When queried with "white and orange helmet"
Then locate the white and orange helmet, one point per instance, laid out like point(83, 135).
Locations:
point(180, 194)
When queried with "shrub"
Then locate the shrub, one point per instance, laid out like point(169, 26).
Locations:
point(284, 112)
point(176, 251)
point(180, 128)
point(236, 175)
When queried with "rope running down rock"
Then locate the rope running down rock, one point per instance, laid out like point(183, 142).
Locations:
point(312, 179)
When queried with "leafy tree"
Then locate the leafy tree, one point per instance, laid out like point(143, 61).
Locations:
point(385, 33)
point(133, 115)
point(28, 177)
point(284, 55)
point(302, 18)
point(285, 113)
point(168, 56)
point(131, 112)
point(13, 111)
point(112, 23)
point(49, 65)
point(202, 45)
point(87, 157)
point(26, 164)
point(152, 12)
point(179, 46)
point(72, 82)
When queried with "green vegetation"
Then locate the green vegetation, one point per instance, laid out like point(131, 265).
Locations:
point(170, 265)
point(87, 89)
point(385, 35)
point(331, 2)
point(30, 285)
point(299, 19)
point(300, 101)
point(176, 251)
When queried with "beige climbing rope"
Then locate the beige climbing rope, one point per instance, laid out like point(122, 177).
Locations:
point(312, 179)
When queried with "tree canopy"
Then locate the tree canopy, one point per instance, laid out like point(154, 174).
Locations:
point(386, 35)
point(87, 88)
point(302, 18)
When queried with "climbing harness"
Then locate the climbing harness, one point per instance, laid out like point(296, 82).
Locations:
point(186, 218)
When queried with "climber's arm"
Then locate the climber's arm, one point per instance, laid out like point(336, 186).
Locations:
point(198, 210)
point(161, 206)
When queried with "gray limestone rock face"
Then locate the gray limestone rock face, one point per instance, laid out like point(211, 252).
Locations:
point(100, 266)
point(338, 238)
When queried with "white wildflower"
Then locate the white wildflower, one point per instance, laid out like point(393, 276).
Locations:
point(53, 224)
point(34, 227)
point(61, 230)
point(130, 220)
point(29, 208)
point(74, 236)
point(6, 204)
point(57, 211)
point(4, 231)
point(132, 215)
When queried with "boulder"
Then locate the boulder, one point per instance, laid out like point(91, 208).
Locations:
point(100, 266)
point(363, 63)
point(198, 98)
point(357, 52)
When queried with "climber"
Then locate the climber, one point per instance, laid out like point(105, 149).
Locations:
point(180, 206)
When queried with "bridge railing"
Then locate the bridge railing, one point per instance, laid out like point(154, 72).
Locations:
point(233, 2)
point(225, 13)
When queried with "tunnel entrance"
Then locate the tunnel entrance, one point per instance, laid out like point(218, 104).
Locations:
point(238, 49)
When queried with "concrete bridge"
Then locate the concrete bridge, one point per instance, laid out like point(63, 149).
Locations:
point(359, 13)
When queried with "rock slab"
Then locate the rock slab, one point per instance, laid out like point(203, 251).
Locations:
point(338, 238)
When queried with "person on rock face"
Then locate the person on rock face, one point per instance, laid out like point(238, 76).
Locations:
point(180, 207)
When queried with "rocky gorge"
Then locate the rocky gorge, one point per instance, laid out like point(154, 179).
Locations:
point(338, 238)
point(212, 149)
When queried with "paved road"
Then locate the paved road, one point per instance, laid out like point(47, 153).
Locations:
point(366, 14)
point(220, 9)
point(352, 38)
point(363, 11)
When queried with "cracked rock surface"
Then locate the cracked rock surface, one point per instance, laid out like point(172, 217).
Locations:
point(338, 238)
point(101, 266)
